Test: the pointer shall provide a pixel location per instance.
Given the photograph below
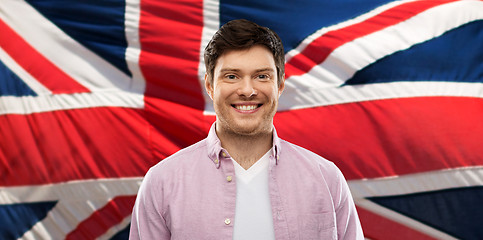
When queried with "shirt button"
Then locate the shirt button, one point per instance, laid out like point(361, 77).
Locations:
point(227, 221)
point(223, 154)
point(229, 178)
point(217, 161)
point(279, 216)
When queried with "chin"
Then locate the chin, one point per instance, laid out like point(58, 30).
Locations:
point(246, 132)
point(252, 130)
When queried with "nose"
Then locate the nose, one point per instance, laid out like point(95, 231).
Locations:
point(247, 88)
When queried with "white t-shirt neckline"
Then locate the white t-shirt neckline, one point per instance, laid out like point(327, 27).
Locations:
point(246, 175)
point(253, 211)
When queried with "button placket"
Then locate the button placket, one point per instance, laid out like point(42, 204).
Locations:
point(229, 188)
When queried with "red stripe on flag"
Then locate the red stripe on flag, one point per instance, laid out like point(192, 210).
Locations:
point(319, 49)
point(390, 137)
point(378, 227)
point(169, 60)
point(170, 41)
point(79, 144)
point(174, 126)
point(103, 219)
point(37, 65)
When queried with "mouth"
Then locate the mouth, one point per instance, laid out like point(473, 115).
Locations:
point(246, 107)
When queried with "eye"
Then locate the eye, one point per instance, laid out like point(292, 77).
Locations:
point(263, 76)
point(230, 76)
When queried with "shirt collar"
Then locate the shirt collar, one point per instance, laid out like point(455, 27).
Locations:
point(216, 152)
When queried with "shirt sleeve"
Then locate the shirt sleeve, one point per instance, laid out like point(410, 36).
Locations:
point(147, 221)
point(348, 224)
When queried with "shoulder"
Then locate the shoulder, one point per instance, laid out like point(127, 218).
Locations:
point(179, 161)
point(310, 166)
point(162, 178)
point(296, 158)
point(305, 156)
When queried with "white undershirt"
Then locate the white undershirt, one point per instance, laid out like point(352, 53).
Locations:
point(253, 214)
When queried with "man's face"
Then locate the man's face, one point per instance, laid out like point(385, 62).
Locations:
point(245, 91)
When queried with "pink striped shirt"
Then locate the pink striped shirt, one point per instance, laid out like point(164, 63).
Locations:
point(192, 195)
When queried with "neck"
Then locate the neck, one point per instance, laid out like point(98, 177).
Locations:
point(246, 150)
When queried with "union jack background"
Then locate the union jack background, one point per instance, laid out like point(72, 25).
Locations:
point(94, 92)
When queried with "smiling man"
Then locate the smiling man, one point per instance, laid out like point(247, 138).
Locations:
point(242, 181)
point(245, 89)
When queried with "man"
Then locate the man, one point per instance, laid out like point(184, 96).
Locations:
point(242, 181)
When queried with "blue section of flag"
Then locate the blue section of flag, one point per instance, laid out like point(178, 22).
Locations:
point(295, 20)
point(122, 235)
point(16, 219)
point(458, 212)
point(12, 85)
point(98, 25)
point(457, 55)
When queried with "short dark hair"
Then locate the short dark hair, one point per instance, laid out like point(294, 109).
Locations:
point(243, 34)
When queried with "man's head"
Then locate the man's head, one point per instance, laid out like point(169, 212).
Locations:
point(242, 34)
point(245, 77)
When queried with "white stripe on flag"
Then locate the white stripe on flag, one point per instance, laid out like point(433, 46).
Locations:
point(293, 98)
point(84, 66)
point(413, 183)
point(418, 182)
point(46, 103)
point(211, 23)
point(77, 200)
point(133, 51)
point(403, 220)
point(341, 25)
point(114, 230)
point(346, 60)
point(22, 74)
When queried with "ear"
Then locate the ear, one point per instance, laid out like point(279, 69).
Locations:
point(208, 87)
point(282, 86)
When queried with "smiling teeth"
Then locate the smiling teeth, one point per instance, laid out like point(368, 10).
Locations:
point(246, 107)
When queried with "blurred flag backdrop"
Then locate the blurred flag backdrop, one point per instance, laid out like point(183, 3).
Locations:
point(94, 92)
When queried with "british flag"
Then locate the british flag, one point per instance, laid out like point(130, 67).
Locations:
point(94, 92)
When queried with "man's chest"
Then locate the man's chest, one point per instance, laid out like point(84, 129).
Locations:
point(208, 208)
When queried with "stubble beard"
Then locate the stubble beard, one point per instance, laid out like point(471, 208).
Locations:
point(239, 129)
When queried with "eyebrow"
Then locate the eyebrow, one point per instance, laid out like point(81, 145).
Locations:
point(265, 70)
point(238, 70)
point(229, 70)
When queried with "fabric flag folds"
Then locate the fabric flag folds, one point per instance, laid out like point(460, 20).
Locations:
point(94, 93)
